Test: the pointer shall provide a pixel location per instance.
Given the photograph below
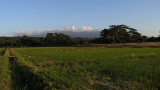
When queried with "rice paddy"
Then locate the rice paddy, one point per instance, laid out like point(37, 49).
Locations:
point(87, 68)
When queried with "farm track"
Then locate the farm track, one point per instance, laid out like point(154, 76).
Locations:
point(16, 79)
point(22, 78)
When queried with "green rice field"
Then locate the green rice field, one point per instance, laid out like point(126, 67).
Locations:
point(84, 68)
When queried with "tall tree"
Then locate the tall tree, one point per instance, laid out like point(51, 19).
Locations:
point(119, 33)
point(50, 39)
point(62, 39)
point(26, 41)
point(134, 35)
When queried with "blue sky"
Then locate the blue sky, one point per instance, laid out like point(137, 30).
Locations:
point(33, 17)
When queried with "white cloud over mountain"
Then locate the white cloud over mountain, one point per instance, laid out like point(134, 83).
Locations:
point(85, 31)
point(74, 29)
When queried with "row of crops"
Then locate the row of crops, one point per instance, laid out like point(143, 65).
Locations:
point(81, 68)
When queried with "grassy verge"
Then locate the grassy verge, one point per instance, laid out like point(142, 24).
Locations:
point(25, 74)
point(5, 82)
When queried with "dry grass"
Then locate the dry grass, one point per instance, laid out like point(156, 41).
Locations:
point(84, 88)
point(46, 64)
point(104, 86)
point(139, 55)
point(140, 44)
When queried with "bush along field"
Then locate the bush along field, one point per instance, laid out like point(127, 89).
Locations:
point(80, 68)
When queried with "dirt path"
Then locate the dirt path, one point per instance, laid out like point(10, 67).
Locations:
point(17, 81)
point(23, 77)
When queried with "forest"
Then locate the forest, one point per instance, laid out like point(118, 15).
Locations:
point(115, 34)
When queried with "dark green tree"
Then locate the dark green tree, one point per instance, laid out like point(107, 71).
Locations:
point(134, 35)
point(26, 41)
point(119, 33)
point(144, 38)
point(62, 39)
point(50, 39)
point(152, 39)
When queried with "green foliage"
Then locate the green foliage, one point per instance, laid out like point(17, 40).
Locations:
point(27, 41)
point(50, 39)
point(119, 34)
point(59, 39)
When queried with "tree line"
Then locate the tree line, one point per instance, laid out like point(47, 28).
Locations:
point(123, 34)
point(114, 34)
point(51, 39)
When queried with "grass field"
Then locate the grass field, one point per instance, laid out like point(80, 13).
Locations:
point(80, 68)
point(95, 68)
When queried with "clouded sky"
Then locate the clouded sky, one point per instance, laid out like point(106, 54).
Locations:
point(77, 17)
